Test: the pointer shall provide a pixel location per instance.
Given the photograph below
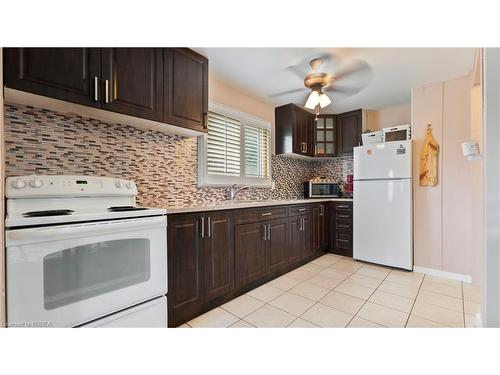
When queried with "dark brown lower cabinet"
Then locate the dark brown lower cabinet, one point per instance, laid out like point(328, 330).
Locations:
point(295, 240)
point(277, 238)
point(185, 268)
point(320, 214)
point(300, 239)
point(341, 228)
point(216, 256)
point(200, 262)
point(250, 252)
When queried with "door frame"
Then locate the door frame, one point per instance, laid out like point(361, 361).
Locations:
point(490, 307)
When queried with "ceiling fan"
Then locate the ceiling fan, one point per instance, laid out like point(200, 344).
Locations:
point(319, 83)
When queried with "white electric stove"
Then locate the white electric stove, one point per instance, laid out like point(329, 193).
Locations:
point(80, 250)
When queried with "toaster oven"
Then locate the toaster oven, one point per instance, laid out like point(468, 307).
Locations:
point(321, 189)
point(397, 133)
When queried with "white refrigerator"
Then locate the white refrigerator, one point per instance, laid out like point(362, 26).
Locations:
point(383, 229)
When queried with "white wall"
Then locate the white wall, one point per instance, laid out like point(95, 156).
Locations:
point(390, 116)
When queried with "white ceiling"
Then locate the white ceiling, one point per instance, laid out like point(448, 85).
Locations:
point(391, 74)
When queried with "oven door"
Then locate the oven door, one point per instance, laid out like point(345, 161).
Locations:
point(63, 276)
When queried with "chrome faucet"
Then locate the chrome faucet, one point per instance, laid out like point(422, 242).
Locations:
point(233, 191)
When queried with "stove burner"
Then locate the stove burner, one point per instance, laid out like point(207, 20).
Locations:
point(126, 208)
point(48, 213)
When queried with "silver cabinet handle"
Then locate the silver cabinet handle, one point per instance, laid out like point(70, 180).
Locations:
point(321, 210)
point(302, 209)
point(342, 206)
point(96, 88)
point(209, 229)
point(266, 214)
point(265, 232)
point(202, 234)
point(106, 91)
point(268, 231)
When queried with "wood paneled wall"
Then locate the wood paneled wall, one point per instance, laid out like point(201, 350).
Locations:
point(445, 215)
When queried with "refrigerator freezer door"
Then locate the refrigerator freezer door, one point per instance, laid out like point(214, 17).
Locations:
point(383, 160)
point(383, 222)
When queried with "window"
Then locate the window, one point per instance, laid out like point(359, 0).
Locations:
point(236, 150)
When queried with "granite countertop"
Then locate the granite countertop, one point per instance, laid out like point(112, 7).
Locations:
point(231, 205)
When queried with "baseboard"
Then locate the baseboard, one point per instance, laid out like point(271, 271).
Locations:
point(444, 274)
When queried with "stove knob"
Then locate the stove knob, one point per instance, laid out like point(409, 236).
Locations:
point(118, 184)
point(18, 184)
point(128, 185)
point(36, 183)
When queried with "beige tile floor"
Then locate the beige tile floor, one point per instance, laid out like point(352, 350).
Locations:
point(335, 291)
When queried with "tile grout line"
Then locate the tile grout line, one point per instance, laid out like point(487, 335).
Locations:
point(317, 302)
point(355, 315)
point(415, 301)
point(463, 301)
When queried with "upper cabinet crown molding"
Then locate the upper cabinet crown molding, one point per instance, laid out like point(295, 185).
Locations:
point(167, 85)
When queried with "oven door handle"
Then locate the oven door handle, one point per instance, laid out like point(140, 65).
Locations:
point(30, 235)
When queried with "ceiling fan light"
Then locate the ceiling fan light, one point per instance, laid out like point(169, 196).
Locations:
point(324, 100)
point(312, 100)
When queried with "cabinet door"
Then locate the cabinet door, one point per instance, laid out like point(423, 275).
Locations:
point(308, 133)
point(218, 254)
point(295, 240)
point(278, 241)
point(325, 136)
point(349, 131)
point(319, 228)
point(307, 244)
point(70, 74)
point(297, 133)
point(185, 268)
point(249, 253)
point(186, 88)
point(133, 81)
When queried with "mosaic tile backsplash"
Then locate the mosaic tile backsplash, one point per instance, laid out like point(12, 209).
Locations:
point(164, 167)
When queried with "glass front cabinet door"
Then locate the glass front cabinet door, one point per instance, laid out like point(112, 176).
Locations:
point(325, 136)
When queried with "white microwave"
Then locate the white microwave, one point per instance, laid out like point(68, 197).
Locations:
point(397, 133)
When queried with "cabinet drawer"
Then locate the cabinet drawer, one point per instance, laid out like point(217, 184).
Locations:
point(299, 209)
point(343, 216)
point(252, 215)
point(343, 226)
point(342, 206)
point(343, 240)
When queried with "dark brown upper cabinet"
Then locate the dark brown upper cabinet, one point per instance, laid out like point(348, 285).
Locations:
point(325, 136)
point(349, 128)
point(294, 130)
point(132, 81)
point(168, 85)
point(186, 88)
point(69, 74)
point(298, 132)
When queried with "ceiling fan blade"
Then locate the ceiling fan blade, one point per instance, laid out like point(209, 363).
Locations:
point(303, 68)
point(287, 92)
point(343, 89)
point(356, 67)
point(297, 71)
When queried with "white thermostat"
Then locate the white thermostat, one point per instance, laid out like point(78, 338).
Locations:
point(471, 150)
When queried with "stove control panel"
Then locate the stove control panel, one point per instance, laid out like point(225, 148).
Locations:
point(38, 186)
